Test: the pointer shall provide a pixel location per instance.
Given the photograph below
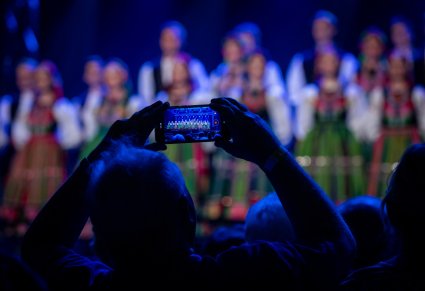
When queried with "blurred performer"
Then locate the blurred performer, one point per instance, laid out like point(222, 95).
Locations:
point(267, 100)
point(302, 71)
point(249, 34)
point(371, 78)
point(12, 105)
point(190, 157)
point(241, 183)
point(87, 104)
point(402, 41)
point(156, 74)
point(400, 124)
point(117, 102)
point(41, 136)
point(327, 146)
point(227, 78)
point(373, 64)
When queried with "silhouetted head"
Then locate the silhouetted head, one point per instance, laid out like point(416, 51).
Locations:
point(141, 209)
point(267, 220)
point(405, 198)
point(366, 221)
point(223, 238)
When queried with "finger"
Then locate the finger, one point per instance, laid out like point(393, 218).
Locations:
point(156, 116)
point(222, 103)
point(230, 102)
point(117, 128)
point(156, 146)
point(153, 105)
point(139, 114)
point(151, 118)
point(155, 112)
point(237, 104)
point(224, 108)
point(220, 100)
point(147, 109)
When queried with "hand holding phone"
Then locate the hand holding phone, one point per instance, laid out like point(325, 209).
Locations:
point(190, 123)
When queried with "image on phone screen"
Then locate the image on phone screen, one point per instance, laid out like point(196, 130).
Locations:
point(186, 124)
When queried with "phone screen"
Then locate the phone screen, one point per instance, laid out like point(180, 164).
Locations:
point(187, 124)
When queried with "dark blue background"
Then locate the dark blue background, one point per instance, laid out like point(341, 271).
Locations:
point(69, 30)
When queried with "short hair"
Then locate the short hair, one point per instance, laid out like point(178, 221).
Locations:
point(28, 61)
point(178, 27)
point(250, 27)
point(260, 51)
point(140, 204)
point(401, 19)
point(95, 58)
point(222, 238)
point(231, 36)
point(267, 220)
point(363, 216)
point(368, 223)
point(327, 15)
point(376, 32)
point(405, 21)
point(118, 61)
point(124, 67)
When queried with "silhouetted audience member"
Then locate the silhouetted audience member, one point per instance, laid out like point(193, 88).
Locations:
point(368, 224)
point(222, 238)
point(267, 220)
point(16, 275)
point(404, 204)
point(144, 219)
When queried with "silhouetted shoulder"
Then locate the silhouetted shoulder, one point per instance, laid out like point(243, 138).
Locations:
point(385, 275)
point(16, 275)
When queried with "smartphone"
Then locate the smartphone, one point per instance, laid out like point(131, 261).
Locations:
point(190, 123)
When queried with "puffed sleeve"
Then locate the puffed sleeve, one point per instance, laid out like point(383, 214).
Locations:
point(199, 73)
point(280, 113)
point(68, 132)
point(135, 103)
point(305, 111)
point(146, 82)
point(199, 97)
point(373, 124)
point(5, 121)
point(418, 96)
point(357, 109)
point(21, 132)
point(349, 66)
point(295, 79)
point(89, 125)
point(273, 75)
point(364, 116)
